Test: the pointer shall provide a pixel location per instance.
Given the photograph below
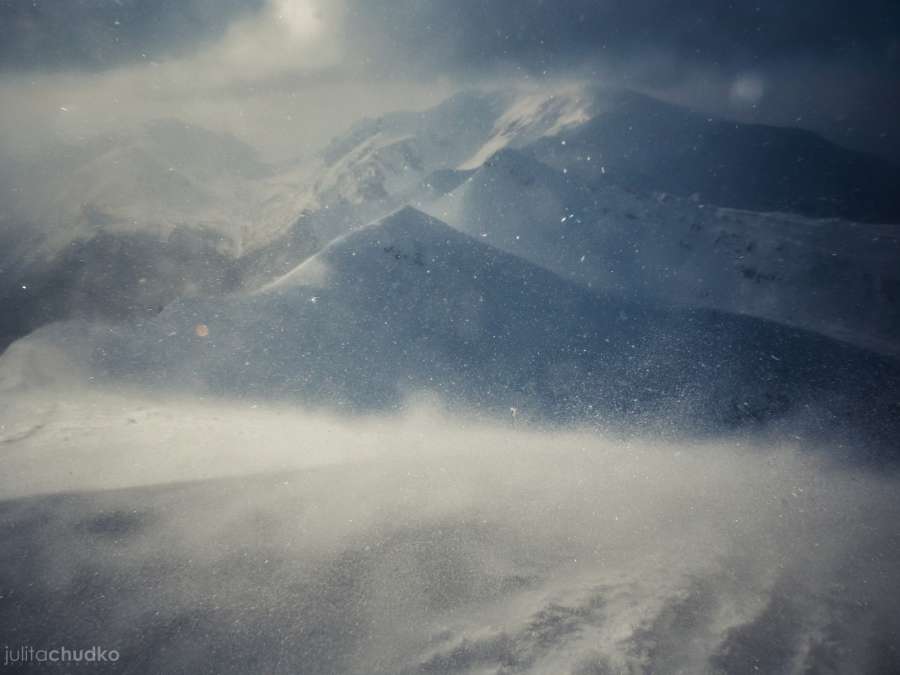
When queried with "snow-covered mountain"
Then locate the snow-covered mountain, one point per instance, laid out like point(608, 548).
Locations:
point(610, 136)
point(170, 174)
point(645, 144)
point(836, 277)
point(588, 162)
point(383, 163)
point(409, 304)
point(631, 151)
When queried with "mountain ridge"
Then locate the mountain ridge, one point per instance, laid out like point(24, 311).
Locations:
point(835, 277)
point(407, 305)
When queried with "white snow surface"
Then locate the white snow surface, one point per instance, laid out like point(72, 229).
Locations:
point(834, 277)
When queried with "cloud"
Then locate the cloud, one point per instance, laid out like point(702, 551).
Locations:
point(274, 76)
point(836, 62)
point(80, 35)
point(833, 67)
point(206, 43)
point(534, 35)
point(540, 35)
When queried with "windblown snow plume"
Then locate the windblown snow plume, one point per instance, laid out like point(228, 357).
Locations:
point(212, 535)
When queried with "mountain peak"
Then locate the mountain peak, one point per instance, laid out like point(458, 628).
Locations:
point(519, 165)
point(409, 221)
point(406, 237)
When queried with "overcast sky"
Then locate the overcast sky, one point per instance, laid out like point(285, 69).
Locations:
point(289, 73)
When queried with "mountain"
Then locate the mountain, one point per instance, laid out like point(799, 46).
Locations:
point(599, 136)
point(607, 136)
point(138, 194)
point(645, 144)
point(392, 157)
point(375, 168)
point(835, 277)
point(408, 305)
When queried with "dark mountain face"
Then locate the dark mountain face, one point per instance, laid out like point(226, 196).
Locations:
point(648, 145)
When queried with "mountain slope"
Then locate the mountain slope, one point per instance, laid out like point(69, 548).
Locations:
point(409, 305)
point(835, 277)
